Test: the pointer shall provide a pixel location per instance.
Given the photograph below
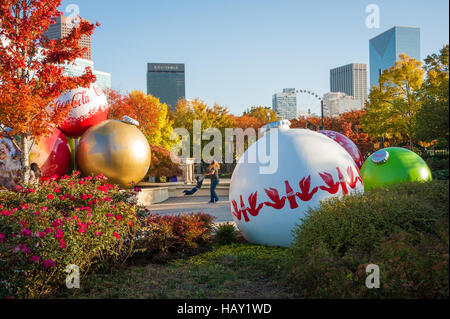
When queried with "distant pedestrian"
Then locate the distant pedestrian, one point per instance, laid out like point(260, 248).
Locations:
point(199, 180)
point(214, 175)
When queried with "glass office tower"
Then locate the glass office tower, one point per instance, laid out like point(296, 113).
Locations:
point(386, 48)
point(166, 81)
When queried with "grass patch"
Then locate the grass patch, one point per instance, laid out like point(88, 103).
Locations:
point(242, 271)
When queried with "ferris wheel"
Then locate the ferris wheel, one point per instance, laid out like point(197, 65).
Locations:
point(309, 103)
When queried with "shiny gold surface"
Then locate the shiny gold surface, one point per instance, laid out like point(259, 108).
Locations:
point(117, 150)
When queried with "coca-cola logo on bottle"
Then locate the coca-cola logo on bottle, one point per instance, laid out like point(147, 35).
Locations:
point(79, 99)
point(98, 90)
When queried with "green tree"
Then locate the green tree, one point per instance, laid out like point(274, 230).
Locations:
point(393, 105)
point(432, 119)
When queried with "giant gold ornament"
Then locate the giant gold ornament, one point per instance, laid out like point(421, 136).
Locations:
point(116, 149)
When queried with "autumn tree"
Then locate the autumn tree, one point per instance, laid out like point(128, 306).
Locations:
point(210, 117)
point(32, 72)
point(393, 106)
point(263, 114)
point(348, 124)
point(432, 119)
point(245, 121)
point(151, 114)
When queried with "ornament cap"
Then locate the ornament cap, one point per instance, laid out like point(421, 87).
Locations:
point(380, 157)
point(129, 120)
point(282, 124)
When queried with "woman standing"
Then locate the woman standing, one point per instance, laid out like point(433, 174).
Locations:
point(214, 173)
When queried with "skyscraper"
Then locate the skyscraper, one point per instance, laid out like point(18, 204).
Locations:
point(166, 81)
point(386, 48)
point(350, 79)
point(285, 104)
point(62, 27)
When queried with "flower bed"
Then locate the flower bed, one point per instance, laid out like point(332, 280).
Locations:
point(67, 221)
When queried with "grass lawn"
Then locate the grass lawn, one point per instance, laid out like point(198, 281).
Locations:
point(237, 271)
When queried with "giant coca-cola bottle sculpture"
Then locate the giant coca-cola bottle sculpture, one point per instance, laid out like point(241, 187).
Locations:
point(89, 107)
point(295, 169)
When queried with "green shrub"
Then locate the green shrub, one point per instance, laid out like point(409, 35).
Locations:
point(441, 175)
point(403, 229)
point(172, 233)
point(437, 164)
point(226, 234)
point(84, 222)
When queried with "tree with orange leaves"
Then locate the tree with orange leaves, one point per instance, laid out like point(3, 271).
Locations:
point(151, 114)
point(246, 121)
point(348, 124)
point(32, 72)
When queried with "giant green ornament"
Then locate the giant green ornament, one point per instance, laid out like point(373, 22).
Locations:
point(394, 165)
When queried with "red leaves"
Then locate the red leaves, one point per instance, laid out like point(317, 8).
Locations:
point(305, 186)
point(31, 71)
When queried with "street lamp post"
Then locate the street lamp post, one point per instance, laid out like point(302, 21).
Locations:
point(323, 121)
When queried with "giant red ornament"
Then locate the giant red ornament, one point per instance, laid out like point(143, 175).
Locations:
point(89, 107)
point(52, 155)
point(348, 144)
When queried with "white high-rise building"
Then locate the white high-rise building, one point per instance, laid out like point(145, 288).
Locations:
point(336, 103)
point(285, 104)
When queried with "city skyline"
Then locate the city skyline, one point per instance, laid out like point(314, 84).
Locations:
point(235, 54)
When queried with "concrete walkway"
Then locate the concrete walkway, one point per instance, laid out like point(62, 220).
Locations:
point(189, 204)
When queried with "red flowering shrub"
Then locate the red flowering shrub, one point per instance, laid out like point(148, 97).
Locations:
point(168, 233)
point(69, 221)
point(162, 164)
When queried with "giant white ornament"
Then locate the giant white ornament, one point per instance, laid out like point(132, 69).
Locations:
point(310, 168)
point(89, 107)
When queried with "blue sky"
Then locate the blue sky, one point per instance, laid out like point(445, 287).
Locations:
point(238, 53)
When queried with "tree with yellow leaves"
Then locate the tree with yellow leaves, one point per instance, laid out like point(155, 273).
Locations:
point(393, 105)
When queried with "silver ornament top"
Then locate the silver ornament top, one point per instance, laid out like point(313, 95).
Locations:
point(380, 157)
point(131, 121)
